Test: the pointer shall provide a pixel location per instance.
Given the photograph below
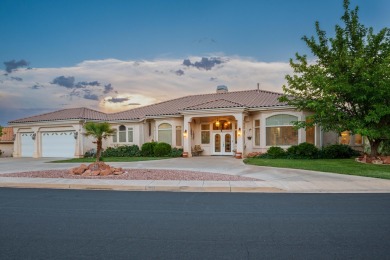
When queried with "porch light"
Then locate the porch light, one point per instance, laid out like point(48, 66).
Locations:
point(217, 123)
point(239, 132)
point(185, 133)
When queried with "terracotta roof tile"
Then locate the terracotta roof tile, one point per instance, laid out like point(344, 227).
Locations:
point(65, 114)
point(8, 135)
point(247, 99)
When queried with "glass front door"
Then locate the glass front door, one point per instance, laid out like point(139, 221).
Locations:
point(222, 144)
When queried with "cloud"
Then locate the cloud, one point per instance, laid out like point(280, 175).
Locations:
point(63, 81)
point(108, 88)
point(36, 86)
point(13, 65)
point(83, 84)
point(179, 72)
point(140, 84)
point(91, 96)
point(118, 100)
point(17, 78)
point(204, 63)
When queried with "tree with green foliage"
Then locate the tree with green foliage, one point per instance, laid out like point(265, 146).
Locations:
point(347, 84)
point(99, 131)
point(1, 130)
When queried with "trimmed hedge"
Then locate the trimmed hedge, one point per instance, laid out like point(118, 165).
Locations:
point(162, 149)
point(147, 149)
point(122, 151)
point(338, 151)
point(303, 151)
point(176, 152)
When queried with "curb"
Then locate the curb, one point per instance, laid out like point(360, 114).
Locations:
point(166, 188)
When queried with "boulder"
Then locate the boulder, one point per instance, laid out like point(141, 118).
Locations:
point(95, 173)
point(386, 159)
point(86, 173)
point(105, 172)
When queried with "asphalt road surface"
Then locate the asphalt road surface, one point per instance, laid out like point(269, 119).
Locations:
point(72, 224)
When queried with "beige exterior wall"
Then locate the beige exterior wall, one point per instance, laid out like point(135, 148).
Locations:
point(7, 149)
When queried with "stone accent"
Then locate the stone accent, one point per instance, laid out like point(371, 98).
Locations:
point(96, 169)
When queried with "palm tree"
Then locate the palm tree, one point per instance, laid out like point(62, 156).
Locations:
point(99, 131)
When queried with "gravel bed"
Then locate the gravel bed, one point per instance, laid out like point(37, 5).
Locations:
point(136, 174)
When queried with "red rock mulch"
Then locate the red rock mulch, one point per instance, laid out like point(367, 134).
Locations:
point(374, 160)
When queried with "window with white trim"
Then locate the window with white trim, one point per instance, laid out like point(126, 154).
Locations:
point(165, 133)
point(115, 137)
point(205, 133)
point(130, 134)
point(257, 132)
point(280, 130)
point(122, 134)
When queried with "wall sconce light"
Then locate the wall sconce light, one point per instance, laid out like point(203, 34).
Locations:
point(75, 134)
point(239, 132)
point(33, 136)
point(185, 133)
point(217, 123)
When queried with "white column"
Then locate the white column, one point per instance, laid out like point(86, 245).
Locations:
point(37, 143)
point(187, 139)
point(17, 148)
point(240, 138)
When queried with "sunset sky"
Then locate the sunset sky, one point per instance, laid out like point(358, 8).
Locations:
point(119, 54)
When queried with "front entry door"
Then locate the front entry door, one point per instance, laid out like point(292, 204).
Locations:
point(222, 144)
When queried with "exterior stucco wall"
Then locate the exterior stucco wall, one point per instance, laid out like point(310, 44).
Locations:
point(7, 149)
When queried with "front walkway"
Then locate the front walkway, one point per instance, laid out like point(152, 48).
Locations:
point(269, 179)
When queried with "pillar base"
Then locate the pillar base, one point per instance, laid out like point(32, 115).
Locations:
point(238, 155)
point(185, 154)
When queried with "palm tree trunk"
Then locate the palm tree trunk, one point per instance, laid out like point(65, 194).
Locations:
point(98, 149)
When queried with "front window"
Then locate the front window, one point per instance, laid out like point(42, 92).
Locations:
point(257, 132)
point(122, 134)
point(345, 137)
point(310, 134)
point(130, 134)
point(114, 137)
point(358, 139)
point(165, 133)
point(205, 133)
point(280, 130)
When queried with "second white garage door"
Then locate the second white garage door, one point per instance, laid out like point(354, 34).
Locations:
point(58, 144)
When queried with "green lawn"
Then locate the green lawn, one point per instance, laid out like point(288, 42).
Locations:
point(341, 166)
point(111, 159)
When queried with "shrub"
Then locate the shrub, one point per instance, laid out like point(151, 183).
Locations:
point(384, 148)
point(303, 151)
point(147, 149)
point(176, 152)
point(122, 151)
point(274, 152)
point(91, 153)
point(162, 149)
point(338, 151)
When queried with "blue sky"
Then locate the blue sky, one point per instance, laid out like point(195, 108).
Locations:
point(114, 55)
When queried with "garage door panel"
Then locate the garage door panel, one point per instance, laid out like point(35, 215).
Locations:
point(58, 144)
point(27, 145)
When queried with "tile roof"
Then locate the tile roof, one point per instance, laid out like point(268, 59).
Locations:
point(245, 99)
point(65, 114)
point(8, 135)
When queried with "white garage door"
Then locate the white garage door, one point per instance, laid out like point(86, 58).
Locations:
point(58, 144)
point(27, 144)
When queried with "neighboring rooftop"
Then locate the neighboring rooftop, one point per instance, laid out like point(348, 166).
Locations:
point(245, 99)
point(8, 135)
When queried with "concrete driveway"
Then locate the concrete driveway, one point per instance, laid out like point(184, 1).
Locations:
point(289, 180)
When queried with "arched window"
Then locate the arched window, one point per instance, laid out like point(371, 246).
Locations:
point(280, 130)
point(165, 133)
point(122, 134)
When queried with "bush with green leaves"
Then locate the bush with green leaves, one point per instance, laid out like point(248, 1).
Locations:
point(122, 151)
point(338, 151)
point(162, 149)
point(384, 148)
point(274, 152)
point(303, 151)
point(147, 149)
point(91, 153)
point(176, 152)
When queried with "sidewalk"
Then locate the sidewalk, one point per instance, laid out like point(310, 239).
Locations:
point(269, 179)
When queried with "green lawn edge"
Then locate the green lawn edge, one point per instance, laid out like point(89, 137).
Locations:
point(339, 166)
point(110, 159)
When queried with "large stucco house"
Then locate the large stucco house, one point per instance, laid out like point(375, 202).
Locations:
point(222, 123)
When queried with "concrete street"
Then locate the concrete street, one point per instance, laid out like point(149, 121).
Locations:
point(269, 179)
point(72, 224)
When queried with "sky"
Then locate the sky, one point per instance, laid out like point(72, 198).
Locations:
point(120, 54)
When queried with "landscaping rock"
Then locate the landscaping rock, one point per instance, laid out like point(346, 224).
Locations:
point(95, 169)
point(386, 159)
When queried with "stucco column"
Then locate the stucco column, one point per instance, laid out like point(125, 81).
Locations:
point(187, 139)
point(78, 144)
point(17, 147)
point(37, 142)
point(240, 128)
